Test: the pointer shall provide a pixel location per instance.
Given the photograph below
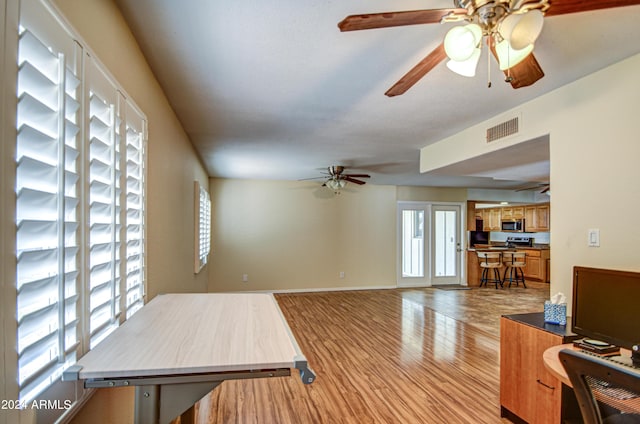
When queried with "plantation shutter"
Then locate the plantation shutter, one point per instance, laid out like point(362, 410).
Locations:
point(80, 200)
point(134, 210)
point(104, 205)
point(47, 205)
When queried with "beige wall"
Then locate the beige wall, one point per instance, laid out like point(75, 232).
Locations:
point(595, 176)
point(173, 164)
point(298, 235)
point(289, 235)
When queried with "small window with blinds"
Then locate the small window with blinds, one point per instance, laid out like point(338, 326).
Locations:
point(202, 226)
point(80, 201)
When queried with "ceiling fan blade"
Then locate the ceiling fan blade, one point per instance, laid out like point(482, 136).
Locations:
point(312, 178)
point(358, 175)
point(525, 73)
point(391, 19)
point(352, 180)
point(562, 7)
point(418, 71)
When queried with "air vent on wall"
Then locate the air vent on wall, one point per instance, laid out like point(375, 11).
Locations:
point(503, 130)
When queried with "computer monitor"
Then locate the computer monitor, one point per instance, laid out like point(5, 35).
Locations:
point(606, 305)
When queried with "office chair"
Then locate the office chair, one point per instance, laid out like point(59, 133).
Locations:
point(607, 392)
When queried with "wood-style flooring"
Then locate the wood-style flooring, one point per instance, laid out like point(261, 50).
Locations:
point(384, 356)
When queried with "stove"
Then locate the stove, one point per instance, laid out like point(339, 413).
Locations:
point(519, 241)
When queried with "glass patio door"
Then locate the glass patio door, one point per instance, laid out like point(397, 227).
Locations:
point(446, 241)
point(429, 244)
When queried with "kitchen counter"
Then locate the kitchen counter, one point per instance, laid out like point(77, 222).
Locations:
point(537, 268)
point(505, 248)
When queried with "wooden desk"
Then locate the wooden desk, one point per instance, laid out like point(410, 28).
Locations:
point(553, 364)
point(179, 347)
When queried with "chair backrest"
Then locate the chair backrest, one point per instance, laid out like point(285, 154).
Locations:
point(602, 387)
point(488, 259)
point(514, 258)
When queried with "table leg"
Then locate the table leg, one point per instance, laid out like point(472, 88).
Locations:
point(147, 406)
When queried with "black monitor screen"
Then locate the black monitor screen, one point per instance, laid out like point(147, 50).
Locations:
point(606, 305)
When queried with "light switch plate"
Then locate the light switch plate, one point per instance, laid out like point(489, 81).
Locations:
point(593, 238)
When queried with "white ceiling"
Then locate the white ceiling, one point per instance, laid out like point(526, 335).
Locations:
point(271, 89)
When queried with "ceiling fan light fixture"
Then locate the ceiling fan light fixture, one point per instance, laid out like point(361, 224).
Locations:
point(466, 68)
point(509, 57)
point(461, 41)
point(335, 184)
point(522, 29)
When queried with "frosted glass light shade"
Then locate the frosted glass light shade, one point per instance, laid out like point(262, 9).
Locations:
point(522, 30)
point(508, 57)
point(461, 41)
point(336, 184)
point(466, 68)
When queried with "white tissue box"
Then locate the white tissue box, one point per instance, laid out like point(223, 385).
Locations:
point(555, 313)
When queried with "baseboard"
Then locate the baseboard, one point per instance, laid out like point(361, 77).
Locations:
point(70, 413)
point(323, 289)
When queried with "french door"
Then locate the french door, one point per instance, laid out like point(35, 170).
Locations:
point(429, 244)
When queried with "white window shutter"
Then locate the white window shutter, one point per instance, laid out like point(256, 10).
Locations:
point(134, 216)
point(47, 208)
point(104, 205)
point(80, 200)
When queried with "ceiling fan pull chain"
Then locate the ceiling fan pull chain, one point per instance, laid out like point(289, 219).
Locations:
point(489, 63)
point(508, 79)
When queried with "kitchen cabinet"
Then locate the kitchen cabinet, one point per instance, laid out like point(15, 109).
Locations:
point(527, 389)
point(536, 218)
point(512, 213)
point(492, 219)
point(518, 212)
point(473, 215)
point(536, 268)
point(473, 269)
point(542, 217)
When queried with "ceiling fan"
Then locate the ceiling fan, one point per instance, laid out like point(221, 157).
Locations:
point(336, 178)
point(510, 28)
point(542, 188)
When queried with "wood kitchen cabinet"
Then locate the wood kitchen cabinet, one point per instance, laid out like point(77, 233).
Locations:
point(492, 219)
point(515, 212)
point(536, 218)
point(536, 268)
point(527, 389)
point(473, 269)
point(518, 212)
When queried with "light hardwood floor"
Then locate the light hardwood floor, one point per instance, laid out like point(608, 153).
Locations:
point(384, 356)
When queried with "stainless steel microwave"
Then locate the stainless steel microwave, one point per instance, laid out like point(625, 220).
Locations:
point(513, 225)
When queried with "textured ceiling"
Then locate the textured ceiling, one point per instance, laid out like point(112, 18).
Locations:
point(271, 89)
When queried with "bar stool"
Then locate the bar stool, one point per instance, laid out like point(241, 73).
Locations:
point(490, 261)
point(514, 262)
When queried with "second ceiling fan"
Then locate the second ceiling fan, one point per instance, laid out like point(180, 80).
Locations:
point(510, 28)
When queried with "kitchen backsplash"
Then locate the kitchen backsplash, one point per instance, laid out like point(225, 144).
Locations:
point(538, 238)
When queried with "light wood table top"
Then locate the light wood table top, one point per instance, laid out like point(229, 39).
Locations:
point(195, 333)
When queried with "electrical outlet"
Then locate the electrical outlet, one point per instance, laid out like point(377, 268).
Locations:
point(341, 274)
point(245, 278)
